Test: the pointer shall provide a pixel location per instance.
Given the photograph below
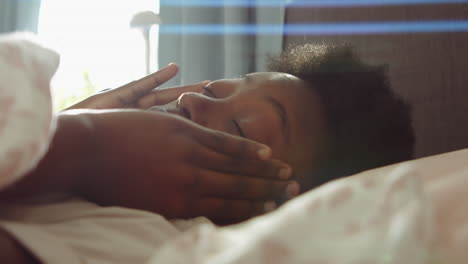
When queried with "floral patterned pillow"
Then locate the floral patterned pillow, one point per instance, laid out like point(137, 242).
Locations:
point(26, 120)
point(413, 212)
point(361, 219)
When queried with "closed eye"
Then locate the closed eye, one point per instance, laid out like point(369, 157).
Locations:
point(210, 93)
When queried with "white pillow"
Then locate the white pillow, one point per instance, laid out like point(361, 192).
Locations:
point(26, 122)
point(412, 212)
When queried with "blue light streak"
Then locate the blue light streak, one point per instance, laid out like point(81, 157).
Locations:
point(320, 28)
point(303, 3)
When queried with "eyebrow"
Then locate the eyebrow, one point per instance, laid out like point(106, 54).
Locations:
point(281, 111)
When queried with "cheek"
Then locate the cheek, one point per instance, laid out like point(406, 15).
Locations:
point(263, 129)
point(227, 126)
point(221, 121)
point(262, 132)
point(308, 147)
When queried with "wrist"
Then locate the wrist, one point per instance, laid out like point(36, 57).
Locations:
point(74, 148)
point(84, 167)
point(67, 160)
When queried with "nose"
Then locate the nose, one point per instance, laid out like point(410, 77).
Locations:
point(196, 107)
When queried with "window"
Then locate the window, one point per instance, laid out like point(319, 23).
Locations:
point(98, 48)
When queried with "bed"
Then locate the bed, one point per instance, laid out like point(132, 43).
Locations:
point(411, 212)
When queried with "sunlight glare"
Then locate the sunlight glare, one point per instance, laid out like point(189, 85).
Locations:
point(94, 37)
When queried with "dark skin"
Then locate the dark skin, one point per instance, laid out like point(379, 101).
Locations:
point(198, 173)
point(255, 105)
point(132, 95)
point(12, 252)
point(201, 171)
point(151, 161)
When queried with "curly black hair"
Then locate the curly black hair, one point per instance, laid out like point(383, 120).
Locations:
point(368, 124)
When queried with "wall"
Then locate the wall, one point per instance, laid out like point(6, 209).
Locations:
point(430, 70)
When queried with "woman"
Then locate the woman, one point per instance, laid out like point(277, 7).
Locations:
point(288, 112)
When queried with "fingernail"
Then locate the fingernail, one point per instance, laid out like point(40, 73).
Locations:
point(264, 153)
point(170, 64)
point(284, 173)
point(269, 206)
point(292, 190)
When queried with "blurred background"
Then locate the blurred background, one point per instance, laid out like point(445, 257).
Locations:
point(104, 43)
point(98, 47)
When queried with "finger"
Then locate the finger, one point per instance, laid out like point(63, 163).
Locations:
point(221, 185)
point(209, 159)
point(167, 95)
point(131, 92)
point(227, 210)
point(230, 145)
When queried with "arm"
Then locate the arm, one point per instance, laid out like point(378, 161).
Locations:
point(156, 162)
point(67, 160)
point(71, 150)
point(12, 252)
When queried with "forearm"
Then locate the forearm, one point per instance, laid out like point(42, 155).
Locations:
point(12, 252)
point(67, 159)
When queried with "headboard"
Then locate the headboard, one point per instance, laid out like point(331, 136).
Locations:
point(430, 70)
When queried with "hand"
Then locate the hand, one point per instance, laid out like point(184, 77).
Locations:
point(169, 165)
point(129, 95)
point(160, 97)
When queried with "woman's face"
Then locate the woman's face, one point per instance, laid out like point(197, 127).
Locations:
point(272, 108)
